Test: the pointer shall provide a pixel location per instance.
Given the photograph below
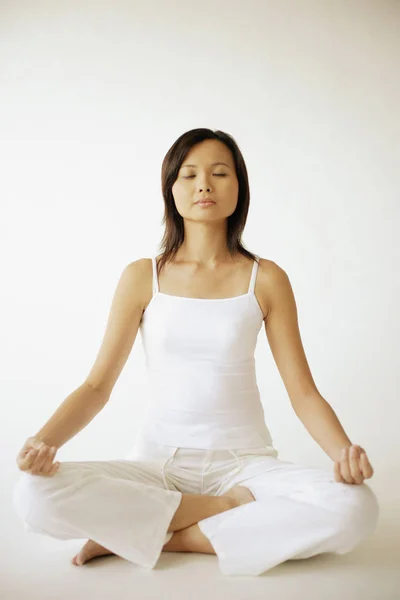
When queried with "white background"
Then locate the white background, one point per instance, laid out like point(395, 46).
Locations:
point(93, 94)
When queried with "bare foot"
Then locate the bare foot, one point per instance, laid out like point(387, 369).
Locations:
point(240, 494)
point(89, 551)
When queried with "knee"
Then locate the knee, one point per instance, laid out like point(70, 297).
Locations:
point(358, 514)
point(31, 497)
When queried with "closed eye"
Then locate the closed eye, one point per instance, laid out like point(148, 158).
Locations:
point(216, 175)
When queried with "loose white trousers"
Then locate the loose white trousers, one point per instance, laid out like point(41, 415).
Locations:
point(127, 505)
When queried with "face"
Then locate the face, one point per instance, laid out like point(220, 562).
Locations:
point(207, 179)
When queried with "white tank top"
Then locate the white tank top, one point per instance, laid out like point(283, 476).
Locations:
point(201, 371)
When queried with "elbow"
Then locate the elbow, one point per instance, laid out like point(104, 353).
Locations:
point(306, 401)
point(99, 395)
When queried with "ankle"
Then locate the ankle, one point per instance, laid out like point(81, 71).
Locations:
point(228, 503)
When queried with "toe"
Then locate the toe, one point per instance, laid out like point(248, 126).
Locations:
point(75, 561)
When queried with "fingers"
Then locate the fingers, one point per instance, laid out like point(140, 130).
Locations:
point(345, 467)
point(44, 461)
point(48, 463)
point(354, 464)
point(41, 457)
point(366, 465)
point(28, 454)
point(336, 471)
point(54, 469)
point(25, 462)
point(39, 461)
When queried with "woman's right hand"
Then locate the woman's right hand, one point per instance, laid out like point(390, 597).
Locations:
point(36, 457)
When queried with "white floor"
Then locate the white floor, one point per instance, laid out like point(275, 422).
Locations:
point(34, 566)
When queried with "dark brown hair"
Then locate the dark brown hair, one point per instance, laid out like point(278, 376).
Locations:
point(173, 221)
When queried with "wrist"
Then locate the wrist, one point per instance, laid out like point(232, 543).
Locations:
point(337, 452)
point(45, 439)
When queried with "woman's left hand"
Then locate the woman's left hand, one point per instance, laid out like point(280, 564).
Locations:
point(353, 466)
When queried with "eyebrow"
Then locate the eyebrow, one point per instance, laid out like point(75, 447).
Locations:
point(212, 164)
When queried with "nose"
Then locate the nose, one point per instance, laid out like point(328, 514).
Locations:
point(203, 183)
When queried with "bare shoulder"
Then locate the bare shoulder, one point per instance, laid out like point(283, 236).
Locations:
point(138, 280)
point(122, 326)
point(271, 270)
point(272, 284)
point(138, 268)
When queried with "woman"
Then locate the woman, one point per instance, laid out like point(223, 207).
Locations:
point(203, 475)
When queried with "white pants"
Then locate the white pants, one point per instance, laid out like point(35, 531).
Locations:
point(127, 505)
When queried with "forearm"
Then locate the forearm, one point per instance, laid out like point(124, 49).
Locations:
point(77, 410)
point(321, 422)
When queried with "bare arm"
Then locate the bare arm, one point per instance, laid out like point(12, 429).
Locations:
point(73, 414)
point(83, 404)
point(282, 329)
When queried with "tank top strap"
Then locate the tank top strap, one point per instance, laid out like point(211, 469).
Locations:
point(155, 278)
point(253, 276)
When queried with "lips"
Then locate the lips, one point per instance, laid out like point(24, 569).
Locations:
point(205, 201)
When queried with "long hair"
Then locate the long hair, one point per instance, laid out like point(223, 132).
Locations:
point(174, 230)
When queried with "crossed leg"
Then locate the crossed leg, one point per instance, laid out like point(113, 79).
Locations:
point(187, 536)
